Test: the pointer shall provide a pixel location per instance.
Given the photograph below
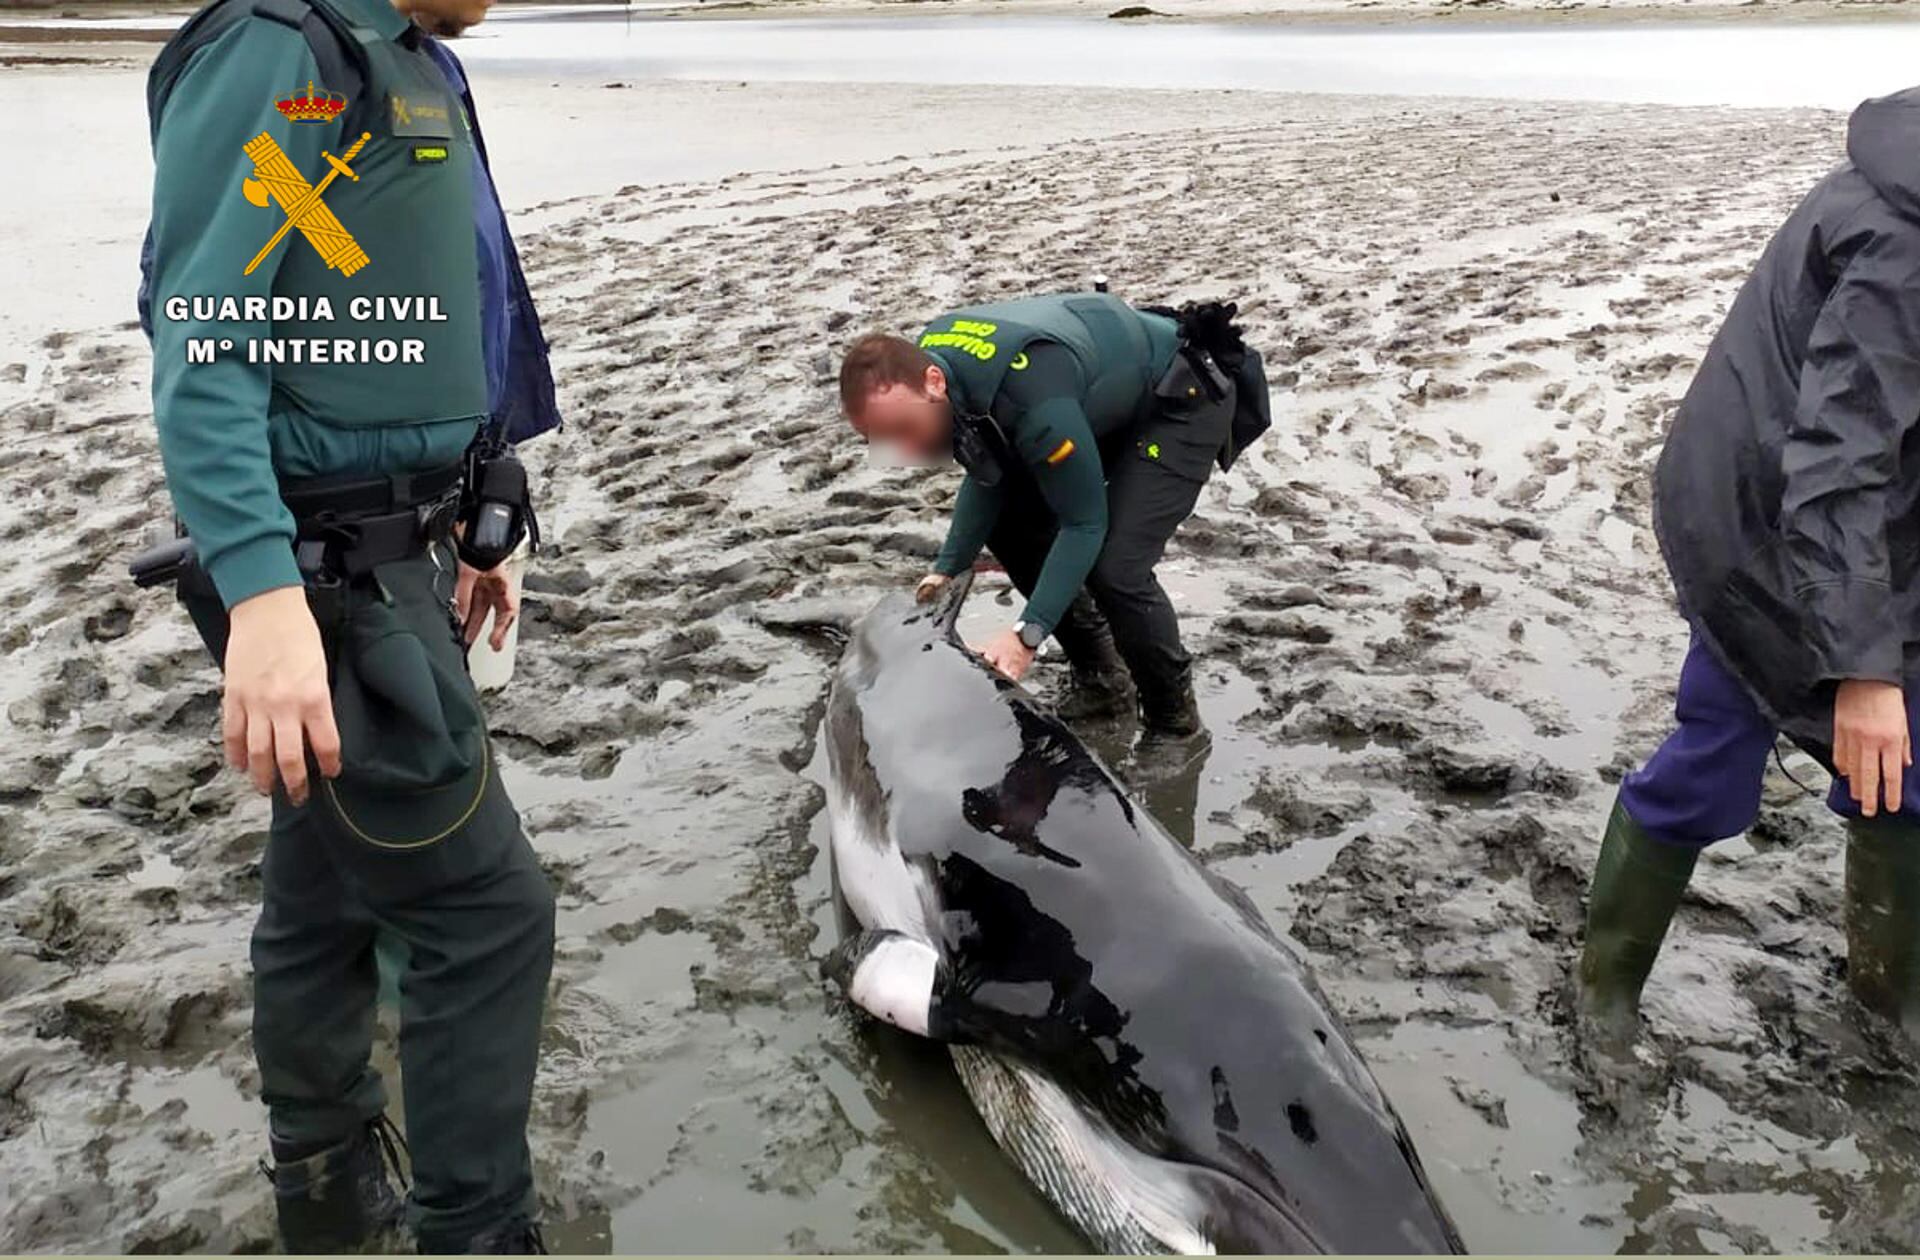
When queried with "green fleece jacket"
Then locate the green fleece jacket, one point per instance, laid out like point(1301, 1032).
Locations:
point(1039, 408)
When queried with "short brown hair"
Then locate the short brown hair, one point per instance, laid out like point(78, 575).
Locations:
point(877, 361)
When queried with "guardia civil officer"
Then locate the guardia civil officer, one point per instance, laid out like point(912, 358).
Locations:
point(1787, 504)
point(318, 482)
point(1087, 429)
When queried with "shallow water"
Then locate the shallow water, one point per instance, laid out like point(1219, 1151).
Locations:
point(1720, 63)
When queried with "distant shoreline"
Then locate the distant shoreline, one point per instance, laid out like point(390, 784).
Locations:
point(1319, 12)
point(64, 21)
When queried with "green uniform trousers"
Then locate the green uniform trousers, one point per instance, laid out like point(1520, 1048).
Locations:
point(476, 915)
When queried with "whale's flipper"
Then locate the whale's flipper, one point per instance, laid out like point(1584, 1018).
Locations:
point(892, 977)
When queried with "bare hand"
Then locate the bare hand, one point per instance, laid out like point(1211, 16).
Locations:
point(475, 594)
point(276, 704)
point(930, 587)
point(1006, 653)
point(1871, 744)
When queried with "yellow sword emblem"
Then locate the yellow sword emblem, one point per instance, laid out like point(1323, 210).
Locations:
point(274, 174)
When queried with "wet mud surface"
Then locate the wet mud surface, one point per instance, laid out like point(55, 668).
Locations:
point(1433, 630)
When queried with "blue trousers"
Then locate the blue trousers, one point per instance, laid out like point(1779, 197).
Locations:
point(1704, 783)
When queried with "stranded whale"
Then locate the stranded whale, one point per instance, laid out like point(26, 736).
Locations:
point(1136, 1038)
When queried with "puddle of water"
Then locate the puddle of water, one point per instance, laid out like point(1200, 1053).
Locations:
point(1510, 1189)
point(156, 870)
point(215, 1104)
point(1721, 63)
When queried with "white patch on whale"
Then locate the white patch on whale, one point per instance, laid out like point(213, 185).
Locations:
point(894, 982)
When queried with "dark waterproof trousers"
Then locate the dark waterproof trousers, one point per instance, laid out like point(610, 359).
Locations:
point(476, 915)
point(1154, 479)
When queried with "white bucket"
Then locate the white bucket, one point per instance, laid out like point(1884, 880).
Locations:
point(493, 670)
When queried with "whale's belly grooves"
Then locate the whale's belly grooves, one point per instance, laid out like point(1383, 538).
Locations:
point(1124, 1201)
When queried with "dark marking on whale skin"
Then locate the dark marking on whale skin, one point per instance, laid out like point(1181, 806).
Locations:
point(845, 730)
point(1009, 948)
point(1224, 1117)
point(1014, 807)
point(989, 811)
point(1083, 941)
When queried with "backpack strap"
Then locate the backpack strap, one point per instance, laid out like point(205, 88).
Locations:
point(336, 47)
point(209, 24)
point(340, 59)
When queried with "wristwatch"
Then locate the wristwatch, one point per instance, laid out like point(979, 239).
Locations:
point(1030, 634)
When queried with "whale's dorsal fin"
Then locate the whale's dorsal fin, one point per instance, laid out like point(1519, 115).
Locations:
point(953, 598)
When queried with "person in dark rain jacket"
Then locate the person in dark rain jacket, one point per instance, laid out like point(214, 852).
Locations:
point(1787, 504)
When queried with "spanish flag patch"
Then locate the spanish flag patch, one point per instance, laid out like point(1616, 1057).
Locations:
point(1061, 452)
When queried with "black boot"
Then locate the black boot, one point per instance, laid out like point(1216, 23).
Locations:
point(517, 1236)
point(1172, 736)
point(1169, 715)
point(1883, 917)
point(338, 1198)
point(1637, 885)
point(1100, 688)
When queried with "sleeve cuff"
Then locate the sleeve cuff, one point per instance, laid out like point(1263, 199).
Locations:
point(252, 568)
point(1853, 625)
point(1032, 618)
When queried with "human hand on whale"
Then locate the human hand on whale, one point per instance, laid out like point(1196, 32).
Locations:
point(1006, 651)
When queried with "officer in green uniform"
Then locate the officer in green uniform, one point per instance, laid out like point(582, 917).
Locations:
point(313, 439)
point(1086, 428)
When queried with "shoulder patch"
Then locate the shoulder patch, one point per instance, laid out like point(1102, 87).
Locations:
point(1061, 452)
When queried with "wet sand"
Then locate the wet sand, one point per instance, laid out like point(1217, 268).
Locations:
point(1433, 627)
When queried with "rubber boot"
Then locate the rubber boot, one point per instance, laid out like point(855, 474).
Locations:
point(339, 1198)
point(1637, 885)
point(1883, 917)
point(1100, 688)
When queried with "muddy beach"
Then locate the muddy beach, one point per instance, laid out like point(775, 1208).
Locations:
point(1433, 625)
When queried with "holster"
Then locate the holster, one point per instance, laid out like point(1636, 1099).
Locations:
point(1207, 331)
point(1189, 426)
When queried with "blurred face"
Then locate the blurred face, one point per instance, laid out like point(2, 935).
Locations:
point(908, 424)
point(445, 18)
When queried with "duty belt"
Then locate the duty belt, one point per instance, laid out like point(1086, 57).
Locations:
point(345, 528)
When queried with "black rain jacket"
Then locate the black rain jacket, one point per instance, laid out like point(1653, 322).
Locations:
point(1787, 500)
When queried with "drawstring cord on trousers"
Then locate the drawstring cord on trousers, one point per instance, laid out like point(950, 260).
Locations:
point(1780, 761)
